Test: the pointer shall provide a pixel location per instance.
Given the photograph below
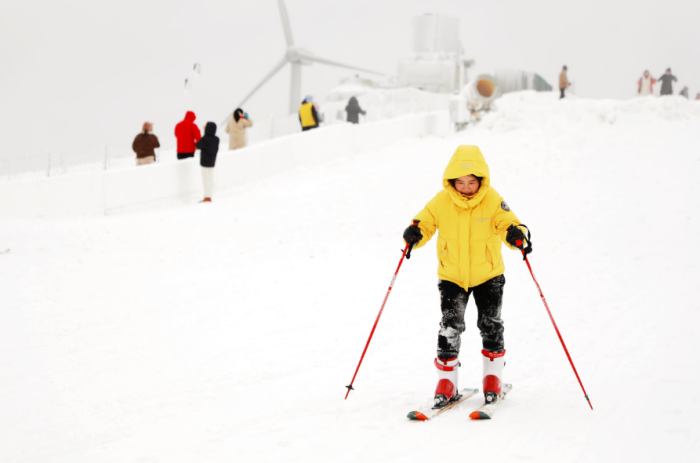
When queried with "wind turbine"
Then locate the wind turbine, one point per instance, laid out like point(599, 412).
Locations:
point(296, 57)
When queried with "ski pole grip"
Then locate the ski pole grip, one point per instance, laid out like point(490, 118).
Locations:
point(410, 246)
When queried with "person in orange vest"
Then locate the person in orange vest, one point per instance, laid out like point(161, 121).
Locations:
point(563, 82)
point(308, 116)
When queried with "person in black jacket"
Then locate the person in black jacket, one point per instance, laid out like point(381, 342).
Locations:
point(667, 82)
point(209, 148)
point(353, 109)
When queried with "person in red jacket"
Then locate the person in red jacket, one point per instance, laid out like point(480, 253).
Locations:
point(187, 134)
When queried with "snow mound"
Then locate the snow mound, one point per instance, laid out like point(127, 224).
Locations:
point(530, 109)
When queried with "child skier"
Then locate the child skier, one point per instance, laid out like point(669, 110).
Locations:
point(473, 219)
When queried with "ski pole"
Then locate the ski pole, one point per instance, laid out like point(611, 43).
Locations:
point(391, 285)
point(555, 327)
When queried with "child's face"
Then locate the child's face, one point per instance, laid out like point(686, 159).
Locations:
point(467, 185)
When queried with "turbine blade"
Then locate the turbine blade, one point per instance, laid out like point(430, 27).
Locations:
point(335, 63)
point(285, 23)
point(269, 75)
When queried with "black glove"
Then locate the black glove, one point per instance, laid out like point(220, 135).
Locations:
point(412, 236)
point(515, 237)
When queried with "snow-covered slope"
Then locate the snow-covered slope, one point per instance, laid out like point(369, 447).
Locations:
point(227, 331)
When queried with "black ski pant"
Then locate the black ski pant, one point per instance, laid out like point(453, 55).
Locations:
point(562, 90)
point(453, 302)
point(185, 155)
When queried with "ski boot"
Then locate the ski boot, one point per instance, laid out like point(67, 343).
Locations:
point(494, 390)
point(447, 389)
point(493, 375)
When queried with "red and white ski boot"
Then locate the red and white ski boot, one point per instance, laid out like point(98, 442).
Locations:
point(447, 389)
point(494, 388)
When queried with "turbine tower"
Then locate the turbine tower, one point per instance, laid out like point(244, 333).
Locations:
point(296, 57)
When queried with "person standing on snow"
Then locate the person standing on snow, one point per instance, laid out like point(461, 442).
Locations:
point(187, 134)
point(472, 219)
point(144, 145)
point(236, 129)
point(353, 109)
point(563, 82)
point(645, 84)
point(308, 114)
point(667, 82)
point(208, 148)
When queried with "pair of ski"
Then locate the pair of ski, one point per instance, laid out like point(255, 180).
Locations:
point(485, 412)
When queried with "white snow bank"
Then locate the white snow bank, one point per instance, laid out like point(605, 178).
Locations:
point(529, 110)
point(114, 190)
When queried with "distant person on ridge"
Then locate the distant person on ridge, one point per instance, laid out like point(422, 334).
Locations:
point(187, 134)
point(667, 82)
point(308, 115)
point(236, 129)
point(208, 148)
point(684, 92)
point(697, 96)
point(144, 145)
point(563, 82)
point(645, 84)
point(353, 109)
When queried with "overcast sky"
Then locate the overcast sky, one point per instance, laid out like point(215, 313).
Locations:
point(78, 73)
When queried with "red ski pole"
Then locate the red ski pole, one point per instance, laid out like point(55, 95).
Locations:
point(556, 329)
point(391, 285)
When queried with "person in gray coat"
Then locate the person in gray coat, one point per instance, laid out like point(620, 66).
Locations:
point(353, 109)
point(667, 82)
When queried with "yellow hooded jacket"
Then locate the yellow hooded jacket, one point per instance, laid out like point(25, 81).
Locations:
point(471, 227)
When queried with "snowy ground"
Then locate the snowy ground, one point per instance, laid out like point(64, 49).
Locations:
point(227, 331)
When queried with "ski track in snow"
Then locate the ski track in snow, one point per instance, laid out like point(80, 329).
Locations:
point(227, 331)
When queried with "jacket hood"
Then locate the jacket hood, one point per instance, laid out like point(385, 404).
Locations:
point(353, 102)
point(190, 117)
point(467, 160)
point(210, 129)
